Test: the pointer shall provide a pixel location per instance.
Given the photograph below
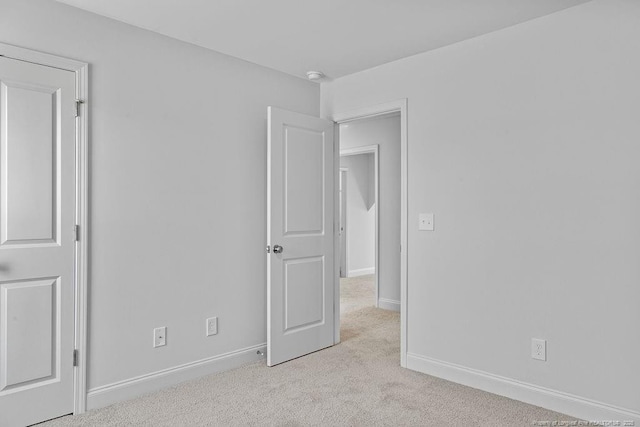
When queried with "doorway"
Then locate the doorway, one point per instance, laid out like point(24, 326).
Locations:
point(370, 153)
point(359, 226)
point(396, 110)
point(303, 170)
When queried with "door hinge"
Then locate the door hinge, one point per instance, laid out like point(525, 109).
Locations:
point(78, 103)
point(76, 233)
point(75, 357)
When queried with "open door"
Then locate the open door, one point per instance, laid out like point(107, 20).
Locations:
point(300, 235)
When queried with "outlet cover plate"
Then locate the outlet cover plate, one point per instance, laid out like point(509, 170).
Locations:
point(212, 326)
point(425, 222)
point(539, 349)
point(160, 336)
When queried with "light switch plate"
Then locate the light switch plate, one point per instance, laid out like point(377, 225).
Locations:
point(425, 222)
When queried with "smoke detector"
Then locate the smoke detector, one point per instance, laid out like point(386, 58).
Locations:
point(315, 75)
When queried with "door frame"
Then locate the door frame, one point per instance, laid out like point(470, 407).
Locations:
point(371, 149)
point(368, 112)
point(346, 241)
point(81, 70)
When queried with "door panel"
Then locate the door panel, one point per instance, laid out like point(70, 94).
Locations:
point(28, 144)
point(300, 219)
point(303, 293)
point(37, 245)
point(304, 181)
point(30, 333)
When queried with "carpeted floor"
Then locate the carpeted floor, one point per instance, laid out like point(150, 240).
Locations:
point(357, 293)
point(358, 382)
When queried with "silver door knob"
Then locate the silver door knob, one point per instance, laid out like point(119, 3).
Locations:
point(277, 249)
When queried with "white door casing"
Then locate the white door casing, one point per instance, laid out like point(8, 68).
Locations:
point(37, 241)
point(300, 220)
point(343, 223)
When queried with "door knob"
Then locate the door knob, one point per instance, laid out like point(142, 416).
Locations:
point(277, 249)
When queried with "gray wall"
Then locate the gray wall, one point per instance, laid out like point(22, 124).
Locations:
point(525, 144)
point(178, 165)
point(385, 132)
point(361, 214)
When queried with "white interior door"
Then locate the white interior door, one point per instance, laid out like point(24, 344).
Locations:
point(37, 201)
point(300, 232)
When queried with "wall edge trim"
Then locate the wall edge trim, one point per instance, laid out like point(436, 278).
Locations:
point(105, 395)
point(361, 272)
point(389, 304)
point(570, 404)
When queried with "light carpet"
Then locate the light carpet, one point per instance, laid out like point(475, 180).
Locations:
point(358, 382)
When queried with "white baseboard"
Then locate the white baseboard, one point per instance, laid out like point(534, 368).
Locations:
point(128, 389)
point(575, 406)
point(388, 304)
point(361, 272)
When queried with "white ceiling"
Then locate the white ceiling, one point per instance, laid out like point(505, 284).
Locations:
point(337, 37)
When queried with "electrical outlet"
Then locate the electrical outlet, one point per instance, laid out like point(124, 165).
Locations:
point(538, 349)
point(425, 222)
point(212, 326)
point(160, 336)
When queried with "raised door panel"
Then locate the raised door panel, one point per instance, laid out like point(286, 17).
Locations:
point(28, 333)
point(304, 181)
point(303, 293)
point(29, 147)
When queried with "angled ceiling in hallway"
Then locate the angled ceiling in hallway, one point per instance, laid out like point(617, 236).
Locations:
point(338, 37)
